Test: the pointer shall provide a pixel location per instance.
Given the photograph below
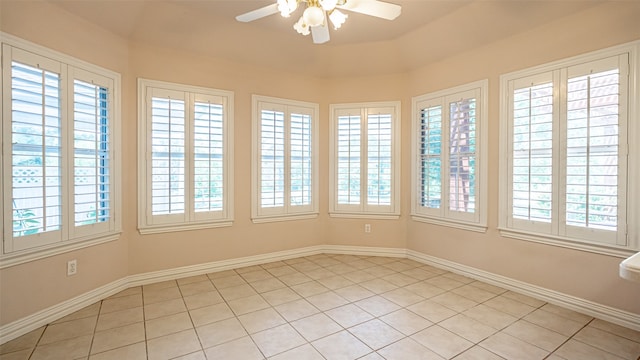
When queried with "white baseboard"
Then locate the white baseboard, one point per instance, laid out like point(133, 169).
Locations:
point(616, 316)
point(22, 326)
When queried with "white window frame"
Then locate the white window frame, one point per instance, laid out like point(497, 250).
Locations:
point(189, 219)
point(70, 237)
point(626, 239)
point(362, 209)
point(287, 212)
point(472, 221)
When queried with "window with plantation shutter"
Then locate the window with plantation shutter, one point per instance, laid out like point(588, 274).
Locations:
point(58, 124)
point(285, 159)
point(185, 181)
point(449, 152)
point(565, 126)
point(364, 159)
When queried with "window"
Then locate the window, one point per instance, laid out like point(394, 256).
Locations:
point(186, 180)
point(566, 162)
point(449, 145)
point(365, 160)
point(60, 126)
point(285, 159)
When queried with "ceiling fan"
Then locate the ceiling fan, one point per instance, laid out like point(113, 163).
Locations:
point(315, 17)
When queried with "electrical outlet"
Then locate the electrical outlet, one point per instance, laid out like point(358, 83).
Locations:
point(72, 267)
point(367, 228)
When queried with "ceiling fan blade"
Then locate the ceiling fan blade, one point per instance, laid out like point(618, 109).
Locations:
point(375, 8)
point(320, 33)
point(258, 13)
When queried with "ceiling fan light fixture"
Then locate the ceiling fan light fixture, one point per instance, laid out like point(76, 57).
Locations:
point(301, 27)
point(313, 16)
point(286, 7)
point(328, 5)
point(337, 18)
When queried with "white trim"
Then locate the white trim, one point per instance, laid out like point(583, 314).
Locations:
point(362, 209)
point(147, 223)
point(624, 241)
point(568, 243)
point(71, 240)
point(476, 221)
point(286, 212)
point(374, 216)
point(608, 313)
point(28, 323)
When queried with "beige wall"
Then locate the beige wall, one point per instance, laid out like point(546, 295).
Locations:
point(28, 288)
point(581, 274)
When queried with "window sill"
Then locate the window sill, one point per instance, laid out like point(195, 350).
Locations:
point(481, 228)
point(365, 216)
point(568, 243)
point(160, 229)
point(288, 217)
point(25, 256)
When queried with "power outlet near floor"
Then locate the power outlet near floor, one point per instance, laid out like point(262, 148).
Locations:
point(367, 228)
point(72, 267)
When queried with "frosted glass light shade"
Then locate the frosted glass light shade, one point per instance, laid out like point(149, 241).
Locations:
point(313, 16)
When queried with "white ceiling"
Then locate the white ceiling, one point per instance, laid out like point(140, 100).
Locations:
point(426, 31)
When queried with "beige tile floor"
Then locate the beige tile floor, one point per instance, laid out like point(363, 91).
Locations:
point(325, 307)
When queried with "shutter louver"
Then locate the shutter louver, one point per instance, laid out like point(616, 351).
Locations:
point(349, 133)
point(462, 155)
point(301, 160)
point(208, 146)
point(592, 150)
point(532, 153)
point(167, 156)
point(92, 178)
point(379, 159)
point(36, 150)
point(430, 152)
point(272, 180)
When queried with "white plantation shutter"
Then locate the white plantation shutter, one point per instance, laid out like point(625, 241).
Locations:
point(208, 157)
point(301, 160)
point(272, 159)
point(61, 188)
point(568, 153)
point(348, 161)
point(167, 165)
point(532, 152)
point(284, 160)
point(379, 150)
point(36, 151)
point(430, 157)
point(184, 137)
point(595, 161)
point(462, 155)
point(447, 155)
point(93, 161)
point(364, 153)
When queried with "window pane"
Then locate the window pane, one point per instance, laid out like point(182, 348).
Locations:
point(430, 152)
point(36, 150)
point(379, 159)
point(167, 156)
point(208, 164)
point(462, 155)
point(272, 179)
point(300, 161)
point(91, 154)
point(592, 150)
point(532, 152)
point(348, 159)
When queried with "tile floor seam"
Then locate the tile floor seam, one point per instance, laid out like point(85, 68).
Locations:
point(399, 285)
